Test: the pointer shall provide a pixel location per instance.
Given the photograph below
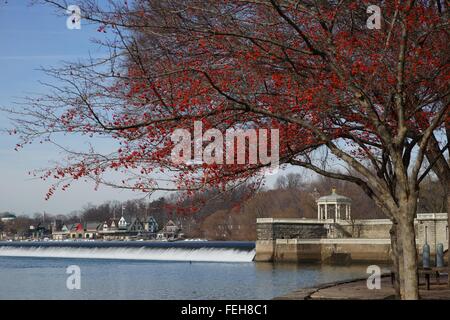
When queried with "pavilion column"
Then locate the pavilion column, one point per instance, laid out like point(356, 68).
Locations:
point(336, 212)
point(319, 216)
point(326, 211)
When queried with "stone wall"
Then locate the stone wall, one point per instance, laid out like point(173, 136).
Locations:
point(323, 250)
point(270, 229)
point(264, 231)
point(357, 250)
point(367, 229)
point(302, 240)
point(265, 250)
point(302, 231)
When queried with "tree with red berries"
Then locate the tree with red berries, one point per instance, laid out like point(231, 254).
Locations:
point(342, 93)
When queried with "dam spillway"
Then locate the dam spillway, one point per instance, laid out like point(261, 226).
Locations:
point(200, 251)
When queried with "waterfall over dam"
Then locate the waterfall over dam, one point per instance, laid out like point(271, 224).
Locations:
point(157, 251)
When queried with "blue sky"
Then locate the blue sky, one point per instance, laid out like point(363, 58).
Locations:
point(32, 37)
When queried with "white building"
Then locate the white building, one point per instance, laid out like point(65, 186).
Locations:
point(334, 206)
point(6, 217)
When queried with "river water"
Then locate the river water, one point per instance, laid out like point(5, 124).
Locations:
point(133, 270)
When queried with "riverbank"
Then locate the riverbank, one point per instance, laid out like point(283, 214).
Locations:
point(357, 290)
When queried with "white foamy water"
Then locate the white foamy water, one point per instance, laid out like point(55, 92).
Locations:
point(156, 254)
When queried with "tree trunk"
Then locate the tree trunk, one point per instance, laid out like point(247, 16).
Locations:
point(406, 234)
point(396, 253)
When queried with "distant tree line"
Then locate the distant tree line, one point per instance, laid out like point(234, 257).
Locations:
point(215, 215)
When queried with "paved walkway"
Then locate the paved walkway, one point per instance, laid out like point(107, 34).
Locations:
point(357, 290)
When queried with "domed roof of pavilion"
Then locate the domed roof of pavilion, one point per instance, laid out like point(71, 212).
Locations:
point(334, 198)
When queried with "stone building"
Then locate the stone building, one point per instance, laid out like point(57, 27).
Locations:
point(150, 225)
point(7, 217)
point(60, 233)
point(129, 227)
point(335, 234)
point(85, 230)
point(171, 231)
